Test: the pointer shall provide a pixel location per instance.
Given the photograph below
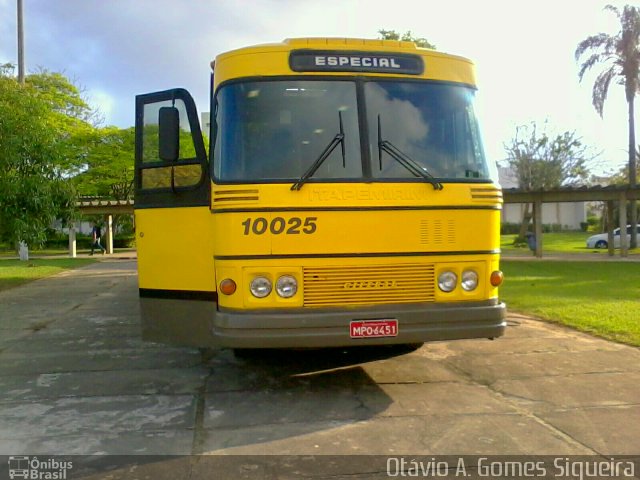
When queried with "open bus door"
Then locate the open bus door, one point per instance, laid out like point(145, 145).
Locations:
point(172, 210)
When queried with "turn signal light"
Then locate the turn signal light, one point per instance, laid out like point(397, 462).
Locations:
point(227, 286)
point(496, 278)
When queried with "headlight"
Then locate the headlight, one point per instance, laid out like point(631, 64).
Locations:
point(260, 287)
point(286, 286)
point(469, 280)
point(447, 281)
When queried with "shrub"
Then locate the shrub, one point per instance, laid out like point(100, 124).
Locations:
point(509, 228)
point(124, 241)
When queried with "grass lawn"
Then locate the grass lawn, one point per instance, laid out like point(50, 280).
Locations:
point(564, 242)
point(16, 272)
point(601, 298)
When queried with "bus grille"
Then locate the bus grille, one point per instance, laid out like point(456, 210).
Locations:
point(368, 284)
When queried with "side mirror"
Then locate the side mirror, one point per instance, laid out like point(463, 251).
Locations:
point(169, 134)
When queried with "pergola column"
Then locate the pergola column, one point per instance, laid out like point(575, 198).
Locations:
point(108, 220)
point(537, 222)
point(624, 246)
point(72, 241)
point(610, 227)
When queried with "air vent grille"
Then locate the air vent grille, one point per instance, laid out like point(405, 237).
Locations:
point(368, 285)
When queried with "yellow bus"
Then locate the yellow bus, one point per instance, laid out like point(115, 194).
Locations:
point(340, 197)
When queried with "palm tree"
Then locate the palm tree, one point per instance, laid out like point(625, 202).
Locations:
point(619, 56)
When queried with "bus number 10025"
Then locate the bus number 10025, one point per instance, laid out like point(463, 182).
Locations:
point(279, 225)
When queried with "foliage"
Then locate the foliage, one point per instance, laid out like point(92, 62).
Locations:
point(508, 228)
point(60, 242)
point(620, 177)
point(619, 58)
point(108, 169)
point(543, 162)
point(70, 116)
point(618, 54)
point(40, 146)
point(555, 240)
point(51, 148)
point(540, 161)
point(406, 37)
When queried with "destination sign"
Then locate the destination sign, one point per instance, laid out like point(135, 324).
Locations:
point(350, 61)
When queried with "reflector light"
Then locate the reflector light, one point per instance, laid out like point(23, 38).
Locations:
point(227, 286)
point(496, 278)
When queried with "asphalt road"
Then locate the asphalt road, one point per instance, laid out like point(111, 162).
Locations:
point(75, 378)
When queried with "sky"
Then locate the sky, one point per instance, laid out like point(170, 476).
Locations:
point(523, 51)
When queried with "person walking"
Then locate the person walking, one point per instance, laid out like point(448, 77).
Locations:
point(96, 233)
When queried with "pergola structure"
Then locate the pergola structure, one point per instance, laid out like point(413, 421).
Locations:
point(610, 194)
point(108, 208)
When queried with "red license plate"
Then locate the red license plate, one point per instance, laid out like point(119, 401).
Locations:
point(374, 328)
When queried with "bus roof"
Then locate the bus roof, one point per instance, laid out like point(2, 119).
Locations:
point(274, 59)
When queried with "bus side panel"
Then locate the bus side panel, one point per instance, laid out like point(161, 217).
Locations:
point(175, 249)
point(176, 275)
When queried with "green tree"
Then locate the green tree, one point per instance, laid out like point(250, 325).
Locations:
point(108, 170)
point(405, 37)
point(71, 117)
point(45, 127)
point(619, 58)
point(619, 178)
point(540, 161)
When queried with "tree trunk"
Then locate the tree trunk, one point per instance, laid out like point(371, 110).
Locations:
point(526, 218)
point(632, 174)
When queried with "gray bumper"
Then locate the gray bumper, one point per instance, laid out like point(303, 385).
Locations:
point(198, 323)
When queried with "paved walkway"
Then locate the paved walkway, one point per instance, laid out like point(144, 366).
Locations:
point(75, 378)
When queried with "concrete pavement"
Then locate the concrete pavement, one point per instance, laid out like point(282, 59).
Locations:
point(75, 378)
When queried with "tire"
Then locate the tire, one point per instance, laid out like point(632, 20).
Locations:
point(601, 244)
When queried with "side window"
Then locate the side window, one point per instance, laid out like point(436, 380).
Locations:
point(161, 177)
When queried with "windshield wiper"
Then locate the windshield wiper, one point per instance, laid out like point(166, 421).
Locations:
point(338, 139)
point(404, 160)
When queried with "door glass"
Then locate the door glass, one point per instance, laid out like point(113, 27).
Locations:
point(159, 176)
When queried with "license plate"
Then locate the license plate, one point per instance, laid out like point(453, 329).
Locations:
point(374, 328)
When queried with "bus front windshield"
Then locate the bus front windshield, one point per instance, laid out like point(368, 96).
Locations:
point(274, 130)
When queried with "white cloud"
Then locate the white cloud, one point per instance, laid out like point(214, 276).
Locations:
point(103, 101)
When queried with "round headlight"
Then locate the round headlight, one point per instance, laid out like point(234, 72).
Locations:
point(447, 281)
point(469, 280)
point(286, 286)
point(260, 287)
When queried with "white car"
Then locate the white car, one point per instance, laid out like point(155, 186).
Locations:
point(601, 240)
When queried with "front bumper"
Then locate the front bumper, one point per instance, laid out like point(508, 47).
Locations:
point(199, 323)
